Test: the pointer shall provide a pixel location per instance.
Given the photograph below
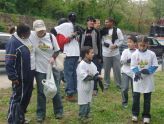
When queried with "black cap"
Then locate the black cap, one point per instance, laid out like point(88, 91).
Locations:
point(91, 18)
point(71, 14)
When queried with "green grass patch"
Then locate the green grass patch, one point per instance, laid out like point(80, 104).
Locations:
point(105, 109)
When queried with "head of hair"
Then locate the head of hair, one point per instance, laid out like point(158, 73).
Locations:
point(110, 19)
point(22, 29)
point(53, 31)
point(142, 38)
point(91, 18)
point(133, 38)
point(62, 20)
point(85, 50)
point(12, 30)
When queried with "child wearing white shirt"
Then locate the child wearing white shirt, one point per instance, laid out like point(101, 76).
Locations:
point(143, 64)
point(86, 74)
point(126, 72)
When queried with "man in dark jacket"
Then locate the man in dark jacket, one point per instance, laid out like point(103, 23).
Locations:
point(18, 69)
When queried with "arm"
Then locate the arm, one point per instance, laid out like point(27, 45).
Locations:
point(10, 61)
point(120, 38)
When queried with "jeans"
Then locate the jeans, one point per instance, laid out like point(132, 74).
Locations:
point(70, 75)
point(99, 67)
point(108, 63)
point(41, 99)
point(146, 106)
point(84, 110)
point(125, 80)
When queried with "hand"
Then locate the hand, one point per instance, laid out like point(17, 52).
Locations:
point(52, 60)
point(16, 82)
point(106, 44)
point(113, 46)
point(129, 61)
point(100, 77)
point(137, 76)
point(145, 71)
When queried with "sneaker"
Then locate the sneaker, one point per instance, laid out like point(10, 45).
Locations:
point(71, 98)
point(95, 93)
point(40, 120)
point(125, 106)
point(134, 118)
point(146, 120)
point(59, 116)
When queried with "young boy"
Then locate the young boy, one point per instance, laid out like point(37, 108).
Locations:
point(126, 72)
point(86, 75)
point(144, 64)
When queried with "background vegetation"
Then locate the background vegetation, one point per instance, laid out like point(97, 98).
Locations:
point(130, 15)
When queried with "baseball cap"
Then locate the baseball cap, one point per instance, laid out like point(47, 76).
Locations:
point(39, 25)
point(71, 14)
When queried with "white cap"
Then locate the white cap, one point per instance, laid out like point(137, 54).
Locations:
point(39, 25)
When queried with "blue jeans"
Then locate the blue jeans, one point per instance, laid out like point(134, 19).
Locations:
point(41, 99)
point(70, 75)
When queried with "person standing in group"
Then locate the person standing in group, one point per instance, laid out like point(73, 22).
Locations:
point(18, 68)
point(144, 64)
point(86, 75)
point(112, 39)
point(91, 38)
point(126, 72)
point(46, 50)
point(72, 51)
point(97, 24)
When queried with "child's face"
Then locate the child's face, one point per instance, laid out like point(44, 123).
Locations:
point(142, 46)
point(90, 55)
point(131, 44)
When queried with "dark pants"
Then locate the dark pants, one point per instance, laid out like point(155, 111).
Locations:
point(21, 94)
point(146, 106)
point(98, 64)
point(41, 99)
point(84, 110)
point(125, 80)
point(70, 75)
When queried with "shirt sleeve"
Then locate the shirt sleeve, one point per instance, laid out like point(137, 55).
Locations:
point(10, 60)
point(55, 43)
point(134, 65)
point(124, 57)
point(119, 42)
point(62, 40)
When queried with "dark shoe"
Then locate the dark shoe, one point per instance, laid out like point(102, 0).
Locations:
point(59, 116)
point(71, 98)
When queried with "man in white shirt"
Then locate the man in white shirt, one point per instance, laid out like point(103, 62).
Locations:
point(72, 52)
point(46, 50)
point(112, 38)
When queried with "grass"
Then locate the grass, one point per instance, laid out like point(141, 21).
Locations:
point(105, 109)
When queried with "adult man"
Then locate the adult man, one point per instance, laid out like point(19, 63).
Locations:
point(45, 52)
point(91, 38)
point(112, 38)
point(72, 51)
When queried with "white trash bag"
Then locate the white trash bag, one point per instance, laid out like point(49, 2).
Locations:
point(59, 62)
point(49, 86)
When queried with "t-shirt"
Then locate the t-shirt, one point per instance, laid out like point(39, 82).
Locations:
point(85, 88)
point(44, 50)
point(88, 38)
point(71, 48)
point(143, 60)
point(126, 54)
point(107, 51)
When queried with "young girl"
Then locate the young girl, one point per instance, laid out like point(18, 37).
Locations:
point(126, 72)
point(144, 64)
point(86, 74)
